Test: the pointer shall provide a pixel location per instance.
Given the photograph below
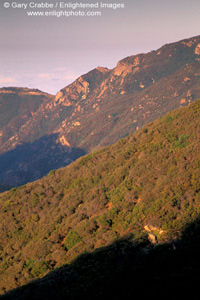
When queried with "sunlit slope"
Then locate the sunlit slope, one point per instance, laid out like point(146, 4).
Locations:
point(145, 186)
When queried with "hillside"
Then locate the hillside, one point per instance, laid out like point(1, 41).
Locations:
point(19, 104)
point(97, 109)
point(145, 188)
point(124, 270)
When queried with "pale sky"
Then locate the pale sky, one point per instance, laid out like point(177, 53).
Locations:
point(48, 53)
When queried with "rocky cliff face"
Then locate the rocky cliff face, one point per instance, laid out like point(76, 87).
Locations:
point(95, 110)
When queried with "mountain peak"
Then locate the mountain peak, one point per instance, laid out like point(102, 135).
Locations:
point(102, 69)
point(21, 90)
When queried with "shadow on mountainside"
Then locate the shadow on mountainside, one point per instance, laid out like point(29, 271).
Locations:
point(125, 270)
point(31, 161)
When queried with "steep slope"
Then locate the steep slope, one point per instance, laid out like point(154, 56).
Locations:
point(28, 158)
point(104, 105)
point(145, 186)
point(18, 104)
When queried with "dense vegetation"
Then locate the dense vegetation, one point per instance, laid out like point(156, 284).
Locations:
point(144, 186)
point(125, 270)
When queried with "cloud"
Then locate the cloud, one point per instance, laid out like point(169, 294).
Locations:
point(70, 77)
point(44, 75)
point(58, 74)
point(60, 69)
point(50, 80)
point(7, 80)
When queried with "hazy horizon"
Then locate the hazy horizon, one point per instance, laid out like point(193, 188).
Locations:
point(49, 53)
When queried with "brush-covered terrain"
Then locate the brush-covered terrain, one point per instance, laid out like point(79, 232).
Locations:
point(140, 193)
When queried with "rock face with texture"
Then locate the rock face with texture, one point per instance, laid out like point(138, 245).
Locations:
point(97, 109)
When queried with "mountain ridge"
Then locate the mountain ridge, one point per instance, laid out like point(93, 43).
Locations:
point(104, 105)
